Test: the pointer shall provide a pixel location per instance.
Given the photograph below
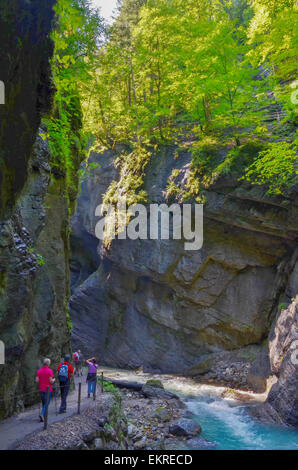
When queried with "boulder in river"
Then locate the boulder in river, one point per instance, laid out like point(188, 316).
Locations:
point(155, 383)
point(185, 427)
point(150, 391)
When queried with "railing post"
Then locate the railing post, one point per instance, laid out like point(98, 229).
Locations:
point(79, 398)
point(47, 408)
point(102, 382)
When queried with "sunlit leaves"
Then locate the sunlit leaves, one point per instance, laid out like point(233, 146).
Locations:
point(75, 38)
point(276, 166)
point(203, 67)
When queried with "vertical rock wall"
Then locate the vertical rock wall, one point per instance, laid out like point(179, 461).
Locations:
point(34, 208)
point(206, 313)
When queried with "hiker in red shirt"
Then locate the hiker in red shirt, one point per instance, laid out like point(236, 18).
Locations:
point(45, 379)
point(65, 372)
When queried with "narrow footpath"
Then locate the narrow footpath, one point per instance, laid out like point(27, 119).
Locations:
point(19, 426)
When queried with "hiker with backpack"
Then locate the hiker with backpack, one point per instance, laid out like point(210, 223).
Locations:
point(45, 379)
point(65, 372)
point(92, 375)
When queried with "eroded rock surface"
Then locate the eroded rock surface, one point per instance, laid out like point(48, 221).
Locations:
point(282, 403)
point(185, 427)
point(34, 282)
point(34, 218)
point(205, 313)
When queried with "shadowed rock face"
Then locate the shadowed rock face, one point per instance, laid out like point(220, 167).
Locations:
point(34, 279)
point(24, 68)
point(282, 403)
point(205, 313)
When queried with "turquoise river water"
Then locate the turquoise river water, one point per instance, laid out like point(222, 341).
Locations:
point(224, 421)
point(232, 427)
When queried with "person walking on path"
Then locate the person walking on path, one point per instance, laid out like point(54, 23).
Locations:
point(77, 359)
point(80, 364)
point(92, 375)
point(45, 379)
point(65, 373)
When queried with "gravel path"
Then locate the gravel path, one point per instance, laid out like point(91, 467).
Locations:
point(71, 432)
point(17, 427)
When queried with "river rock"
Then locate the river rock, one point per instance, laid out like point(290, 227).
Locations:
point(98, 444)
point(259, 372)
point(185, 427)
point(102, 421)
point(162, 415)
point(141, 444)
point(89, 437)
point(155, 392)
point(236, 395)
point(79, 445)
point(199, 443)
point(173, 444)
point(155, 383)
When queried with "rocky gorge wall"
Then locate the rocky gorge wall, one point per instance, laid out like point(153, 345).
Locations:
point(281, 405)
point(206, 313)
point(34, 225)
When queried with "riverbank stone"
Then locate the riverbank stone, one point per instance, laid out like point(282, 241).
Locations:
point(185, 427)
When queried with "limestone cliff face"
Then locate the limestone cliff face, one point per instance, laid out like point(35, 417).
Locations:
point(34, 281)
point(204, 313)
point(282, 403)
point(25, 50)
point(34, 246)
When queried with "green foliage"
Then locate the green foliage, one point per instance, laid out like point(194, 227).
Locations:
point(276, 166)
point(210, 161)
point(273, 35)
point(75, 40)
point(169, 63)
point(69, 324)
point(273, 32)
point(172, 69)
point(238, 158)
point(206, 152)
point(116, 417)
point(132, 169)
point(169, 71)
point(87, 169)
point(40, 260)
point(109, 387)
point(282, 306)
